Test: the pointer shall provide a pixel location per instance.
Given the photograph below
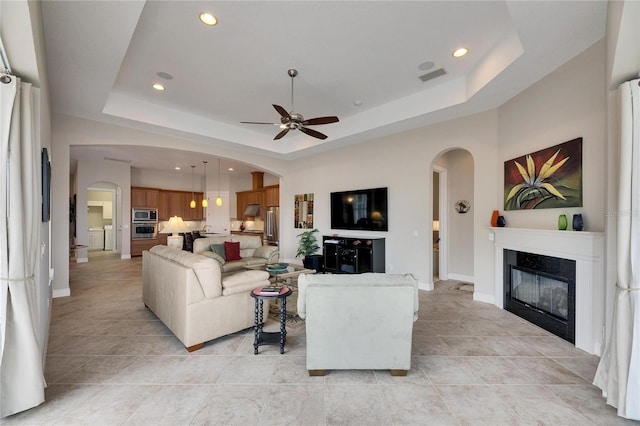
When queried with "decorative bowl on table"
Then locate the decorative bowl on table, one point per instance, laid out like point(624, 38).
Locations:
point(277, 268)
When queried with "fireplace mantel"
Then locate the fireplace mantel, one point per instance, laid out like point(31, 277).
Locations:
point(587, 249)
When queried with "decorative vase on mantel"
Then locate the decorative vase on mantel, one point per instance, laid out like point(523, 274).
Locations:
point(501, 222)
point(562, 222)
point(494, 218)
point(577, 223)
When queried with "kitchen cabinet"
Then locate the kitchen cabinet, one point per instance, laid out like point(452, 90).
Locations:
point(96, 239)
point(145, 197)
point(107, 210)
point(268, 196)
point(272, 195)
point(138, 246)
point(176, 203)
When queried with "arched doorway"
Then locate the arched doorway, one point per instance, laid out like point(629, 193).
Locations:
point(102, 216)
point(453, 228)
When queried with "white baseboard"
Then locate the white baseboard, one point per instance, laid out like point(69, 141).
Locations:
point(125, 256)
point(82, 260)
point(62, 292)
point(425, 286)
point(460, 277)
point(486, 298)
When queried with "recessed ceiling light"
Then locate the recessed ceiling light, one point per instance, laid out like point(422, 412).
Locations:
point(177, 167)
point(208, 19)
point(159, 87)
point(357, 103)
point(230, 169)
point(460, 52)
point(164, 75)
point(427, 65)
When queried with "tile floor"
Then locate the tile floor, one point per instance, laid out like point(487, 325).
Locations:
point(111, 362)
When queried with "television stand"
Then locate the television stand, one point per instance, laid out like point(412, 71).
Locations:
point(351, 255)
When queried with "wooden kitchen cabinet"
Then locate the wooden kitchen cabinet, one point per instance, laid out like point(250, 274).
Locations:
point(138, 246)
point(244, 198)
point(176, 203)
point(268, 196)
point(272, 195)
point(145, 197)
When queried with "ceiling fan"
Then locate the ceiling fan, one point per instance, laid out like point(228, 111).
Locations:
point(294, 121)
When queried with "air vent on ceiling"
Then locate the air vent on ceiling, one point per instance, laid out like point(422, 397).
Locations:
point(433, 74)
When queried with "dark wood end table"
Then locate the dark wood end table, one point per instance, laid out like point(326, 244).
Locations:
point(270, 338)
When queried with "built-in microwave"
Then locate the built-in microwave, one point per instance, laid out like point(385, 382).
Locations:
point(144, 215)
point(144, 231)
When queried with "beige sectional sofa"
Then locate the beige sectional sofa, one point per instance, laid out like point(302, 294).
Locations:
point(251, 250)
point(362, 321)
point(188, 293)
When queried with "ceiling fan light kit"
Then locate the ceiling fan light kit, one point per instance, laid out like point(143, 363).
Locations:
point(295, 121)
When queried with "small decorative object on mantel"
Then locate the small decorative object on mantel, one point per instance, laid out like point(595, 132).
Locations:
point(562, 222)
point(462, 206)
point(578, 223)
point(494, 218)
point(501, 222)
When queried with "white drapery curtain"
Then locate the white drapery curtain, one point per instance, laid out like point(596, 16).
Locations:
point(618, 373)
point(21, 373)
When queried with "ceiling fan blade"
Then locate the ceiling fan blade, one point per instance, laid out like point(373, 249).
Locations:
point(313, 133)
point(283, 112)
point(320, 120)
point(281, 134)
point(259, 122)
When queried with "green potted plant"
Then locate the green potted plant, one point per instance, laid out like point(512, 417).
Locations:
point(308, 247)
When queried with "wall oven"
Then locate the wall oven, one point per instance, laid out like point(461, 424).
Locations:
point(144, 231)
point(139, 215)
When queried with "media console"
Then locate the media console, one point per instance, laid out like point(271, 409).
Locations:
point(349, 255)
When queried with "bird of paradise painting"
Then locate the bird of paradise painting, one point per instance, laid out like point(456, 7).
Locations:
point(546, 179)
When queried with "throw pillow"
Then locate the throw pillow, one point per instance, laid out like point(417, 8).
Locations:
point(219, 248)
point(232, 251)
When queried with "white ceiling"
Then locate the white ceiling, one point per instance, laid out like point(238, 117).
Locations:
point(104, 56)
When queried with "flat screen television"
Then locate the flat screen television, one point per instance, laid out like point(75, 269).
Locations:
point(360, 209)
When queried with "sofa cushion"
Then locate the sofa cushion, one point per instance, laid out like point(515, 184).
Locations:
point(243, 281)
point(232, 251)
point(251, 261)
point(219, 249)
point(214, 256)
point(264, 251)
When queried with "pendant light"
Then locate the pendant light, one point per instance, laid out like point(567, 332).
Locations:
point(192, 204)
point(205, 203)
point(219, 198)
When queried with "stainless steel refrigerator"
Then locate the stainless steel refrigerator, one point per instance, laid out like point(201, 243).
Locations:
point(271, 225)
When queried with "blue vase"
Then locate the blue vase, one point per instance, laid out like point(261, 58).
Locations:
point(578, 223)
point(501, 222)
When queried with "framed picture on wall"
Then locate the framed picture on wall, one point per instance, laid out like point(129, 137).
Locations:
point(46, 186)
point(546, 179)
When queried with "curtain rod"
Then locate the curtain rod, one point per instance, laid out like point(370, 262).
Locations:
point(5, 60)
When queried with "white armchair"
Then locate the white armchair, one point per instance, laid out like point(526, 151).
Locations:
point(360, 321)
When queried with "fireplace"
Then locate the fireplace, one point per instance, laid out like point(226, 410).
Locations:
point(585, 249)
point(542, 290)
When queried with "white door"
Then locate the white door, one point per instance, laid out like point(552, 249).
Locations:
point(218, 216)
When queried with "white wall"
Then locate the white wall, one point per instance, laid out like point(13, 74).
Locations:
point(568, 103)
point(401, 162)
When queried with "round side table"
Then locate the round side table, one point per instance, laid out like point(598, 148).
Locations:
point(270, 338)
